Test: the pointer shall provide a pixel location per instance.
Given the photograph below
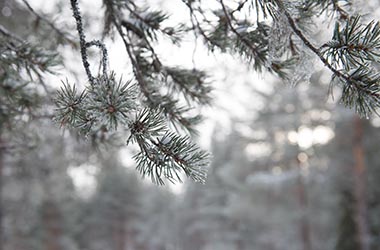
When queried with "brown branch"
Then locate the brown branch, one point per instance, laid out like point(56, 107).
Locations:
point(243, 39)
point(175, 157)
point(139, 17)
point(343, 14)
point(316, 51)
point(150, 46)
point(195, 22)
point(240, 6)
point(136, 68)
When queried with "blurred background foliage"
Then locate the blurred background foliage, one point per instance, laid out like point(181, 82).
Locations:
point(293, 170)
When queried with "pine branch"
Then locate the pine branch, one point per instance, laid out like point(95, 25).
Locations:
point(175, 113)
point(18, 55)
point(103, 48)
point(233, 35)
point(354, 45)
point(343, 14)
point(157, 62)
point(68, 102)
point(22, 67)
point(82, 39)
point(182, 155)
point(196, 25)
point(105, 103)
point(239, 7)
point(354, 83)
point(165, 154)
point(135, 66)
point(191, 83)
point(243, 39)
point(102, 106)
point(84, 45)
point(152, 20)
point(149, 72)
point(110, 103)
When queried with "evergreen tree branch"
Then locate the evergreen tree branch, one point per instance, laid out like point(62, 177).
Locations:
point(353, 45)
point(157, 62)
point(146, 22)
point(82, 39)
point(84, 45)
point(187, 82)
point(165, 154)
point(239, 7)
point(355, 83)
point(343, 14)
point(320, 6)
point(138, 72)
point(18, 55)
point(103, 48)
point(135, 66)
point(243, 39)
point(196, 25)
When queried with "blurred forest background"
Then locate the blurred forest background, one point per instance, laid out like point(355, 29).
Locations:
point(293, 171)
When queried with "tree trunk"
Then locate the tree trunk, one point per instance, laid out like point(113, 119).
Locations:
point(360, 185)
point(119, 233)
point(304, 225)
point(2, 149)
point(51, 221)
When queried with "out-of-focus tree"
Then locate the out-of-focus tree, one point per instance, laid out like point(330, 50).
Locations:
point(264, 178)
point(157, 227)
point(355, 178)
point(23, 66)
point(251, 165)
point(347, 229)
point(39, 199)
point(108, 221)
point(290, 180)
point(371, 142)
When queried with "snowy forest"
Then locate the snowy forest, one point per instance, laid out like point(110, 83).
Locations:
point(189, 125)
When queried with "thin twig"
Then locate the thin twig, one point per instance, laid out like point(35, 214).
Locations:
point(195, 22)
point(82, 39)
point(142, 19)
point(343, 14)
point(84, 45)
point(142, 36)
point(103, 48)
point(240, 6)
point(139, 74)
point(243, 39)
point(137, 71)
point(136, 67)
point(128, 48)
